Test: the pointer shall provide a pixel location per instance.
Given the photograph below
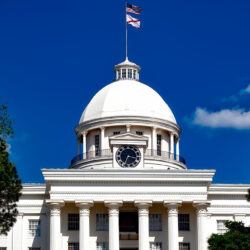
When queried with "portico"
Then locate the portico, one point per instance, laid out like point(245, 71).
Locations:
point(130, 198)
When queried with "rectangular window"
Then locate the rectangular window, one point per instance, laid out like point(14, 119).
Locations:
point(97, 145)
point(32, 248)
point(119, 74)
point(134, 74)
point(139, 132)
point(130, 73)
point(123, 73)
point(73, 246)
point(116, 132)
point(221, 228)
point(73, 222)
point(102, 222)
point(102, 246)
point(155, 222)
point(183, 222)
point(155, 246)
point(34, 228)
point(184, 246)
point(158, 144)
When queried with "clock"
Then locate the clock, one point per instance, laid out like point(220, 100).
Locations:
point(128, 156)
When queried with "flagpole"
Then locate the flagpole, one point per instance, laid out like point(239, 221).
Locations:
point(126, 30)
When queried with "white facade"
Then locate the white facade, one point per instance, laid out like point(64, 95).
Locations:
point(128, 187)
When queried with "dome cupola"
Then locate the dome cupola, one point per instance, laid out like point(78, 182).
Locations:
point(127, 71)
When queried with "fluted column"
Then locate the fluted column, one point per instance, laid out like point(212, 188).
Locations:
point(84, 211)
point(113, 207)
point(201, 213)
point(143, 212)
point(173, 232)
point(55, 223)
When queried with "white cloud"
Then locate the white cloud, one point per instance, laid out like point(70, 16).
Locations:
point(236, 97)
point(225, 118)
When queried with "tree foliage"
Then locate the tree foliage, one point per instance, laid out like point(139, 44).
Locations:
point(248, 195)
point(236, 238)
point(10, 184)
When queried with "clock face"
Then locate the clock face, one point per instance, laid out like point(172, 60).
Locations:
point(128, 156)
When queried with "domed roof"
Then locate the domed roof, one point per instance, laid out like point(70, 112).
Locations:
point(127, 98)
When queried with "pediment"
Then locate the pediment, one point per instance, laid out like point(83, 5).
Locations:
point(128, 138)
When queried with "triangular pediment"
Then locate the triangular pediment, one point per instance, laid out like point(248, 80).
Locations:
point(128, 138)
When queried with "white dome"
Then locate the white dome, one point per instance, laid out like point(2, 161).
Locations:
point(127, 98)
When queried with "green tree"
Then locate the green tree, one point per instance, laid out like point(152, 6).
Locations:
point(236, 238)
point(10, 184)
point(248, 195)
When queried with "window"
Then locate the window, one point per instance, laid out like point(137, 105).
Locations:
point(32, 248)
point(102, 246)
point(139, 132)
point(221, 228)
point(73, 222)
point(155, 246)
point(102, 222)
point(155, 222)
point(119, 74)
point(183, 221)
point(123, 73)
point(73, 246)
point(184, 246)
point(116, 132)
point(158, 144)
point(34, 228)
point(134, 74)
point(130, 73)
point(97, 145)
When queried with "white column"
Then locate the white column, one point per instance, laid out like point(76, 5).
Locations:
point(102, 139)
point(55, 224)
point(153, 141)
point(143, 211)
point(173, 231)
point(171, 145)
point(201, 213)
point(178, 149)
point(84, 144)
point(84, 211)
point(113, 207)
point(17, 233)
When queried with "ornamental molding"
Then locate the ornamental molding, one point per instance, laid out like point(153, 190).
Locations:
point(230, 206)
point(132, 120)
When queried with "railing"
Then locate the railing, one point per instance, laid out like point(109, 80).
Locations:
point(163, 155)
point(92, 155)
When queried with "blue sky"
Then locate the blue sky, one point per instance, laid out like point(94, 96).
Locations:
point(55, 55)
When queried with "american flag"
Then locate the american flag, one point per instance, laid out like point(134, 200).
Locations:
point(133, 9)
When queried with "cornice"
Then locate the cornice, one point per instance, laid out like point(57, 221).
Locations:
point(112, 175)
point(123, 120)
point(33, 189)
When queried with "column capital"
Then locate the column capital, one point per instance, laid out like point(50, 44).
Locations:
point(84, 207)
point(84, 133)
point(154, 128)
point(113, 206)
point(172, 207)
point(55, 206)
point(201, 207)
point(143, 207)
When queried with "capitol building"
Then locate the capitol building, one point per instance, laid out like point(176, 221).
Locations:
point(128, 187)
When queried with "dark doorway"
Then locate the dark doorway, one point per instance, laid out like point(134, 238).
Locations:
point(128, 222)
